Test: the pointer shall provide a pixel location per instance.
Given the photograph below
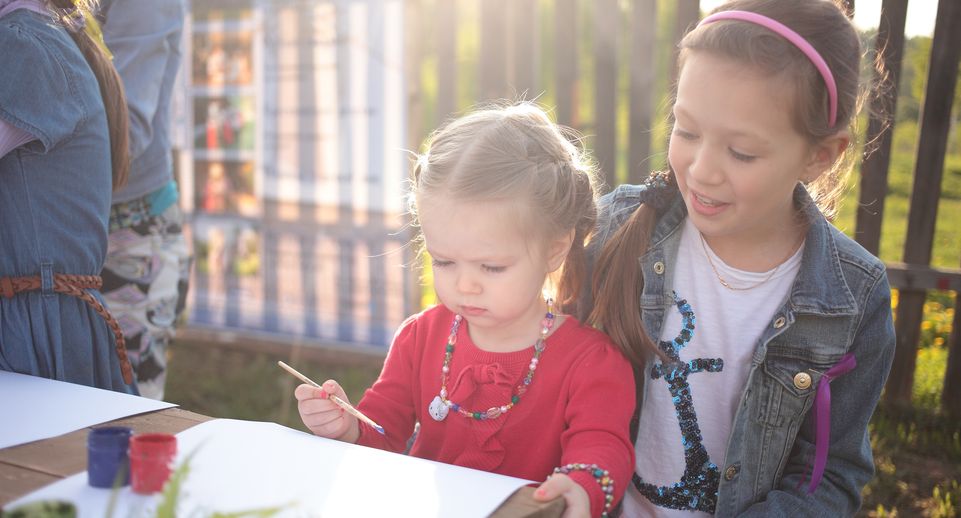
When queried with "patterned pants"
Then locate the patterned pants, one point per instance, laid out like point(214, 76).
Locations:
point(145, 281)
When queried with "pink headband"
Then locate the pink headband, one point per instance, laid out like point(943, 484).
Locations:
point(798, 41)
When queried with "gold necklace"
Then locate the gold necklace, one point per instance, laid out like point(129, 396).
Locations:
point(721, 279)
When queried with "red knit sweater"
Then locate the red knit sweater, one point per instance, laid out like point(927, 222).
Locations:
point(576, 409)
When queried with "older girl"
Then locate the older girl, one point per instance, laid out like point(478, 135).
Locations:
point(772, 330)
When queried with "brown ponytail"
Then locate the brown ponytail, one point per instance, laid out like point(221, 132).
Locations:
point(111, 86)
point(618, 284)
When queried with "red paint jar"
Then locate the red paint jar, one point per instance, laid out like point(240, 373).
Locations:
point(151, 460)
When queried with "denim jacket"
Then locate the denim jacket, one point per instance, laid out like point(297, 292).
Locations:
point(840, 302)
point(144, 37)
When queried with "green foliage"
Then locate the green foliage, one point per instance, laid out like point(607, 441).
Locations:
point(951, 188)
point(918, 450)
point(171, 506)
point(914, 75)
point(201, 252)
point(915, 451)
point(170, 497)
point(929, 377)
point(256, 513)
point(42, 509)
point(947, 500)
point(938, 317)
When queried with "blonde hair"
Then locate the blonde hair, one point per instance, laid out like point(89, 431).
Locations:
point(515, 153)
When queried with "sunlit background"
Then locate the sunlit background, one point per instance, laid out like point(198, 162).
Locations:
point(296, 120)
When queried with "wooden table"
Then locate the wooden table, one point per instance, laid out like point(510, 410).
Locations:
point(28, 467)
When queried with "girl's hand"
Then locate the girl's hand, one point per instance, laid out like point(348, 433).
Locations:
point(576, 498)
point(322, 416)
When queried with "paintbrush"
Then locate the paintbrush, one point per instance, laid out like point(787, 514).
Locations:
point(339, 402)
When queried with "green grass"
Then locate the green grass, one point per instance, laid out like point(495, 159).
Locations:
point(918, 450)
point(917, 457)
point(239, 383)
point(947, 235)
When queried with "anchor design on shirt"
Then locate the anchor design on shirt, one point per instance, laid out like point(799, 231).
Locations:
point(697, 489)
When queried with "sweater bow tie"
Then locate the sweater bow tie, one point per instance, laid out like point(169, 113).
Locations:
point(471, 378)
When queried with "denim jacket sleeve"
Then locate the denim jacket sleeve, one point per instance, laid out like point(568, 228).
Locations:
point(143, 34)
point(854, 397)
point(40, 63)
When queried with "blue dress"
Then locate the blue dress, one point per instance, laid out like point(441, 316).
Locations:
point(54, 204)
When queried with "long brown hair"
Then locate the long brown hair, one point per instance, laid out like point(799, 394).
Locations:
point(72, 14)
point(618, 284)
point(617, 279)
point(514, 152)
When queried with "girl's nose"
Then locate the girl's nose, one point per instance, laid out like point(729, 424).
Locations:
point(467, 284)
point(704, 166)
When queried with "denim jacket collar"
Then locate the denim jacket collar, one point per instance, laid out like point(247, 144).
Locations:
point(820, 287)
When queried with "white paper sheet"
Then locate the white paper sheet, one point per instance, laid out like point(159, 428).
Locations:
point(247, 465)
point(33, 408)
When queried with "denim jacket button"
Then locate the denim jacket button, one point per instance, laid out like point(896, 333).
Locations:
point(802, 381)
point(659, 267)
point(731, 471)
point(779, 322)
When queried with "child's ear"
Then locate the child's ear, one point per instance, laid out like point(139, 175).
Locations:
point(557, 251)
point(825, 153)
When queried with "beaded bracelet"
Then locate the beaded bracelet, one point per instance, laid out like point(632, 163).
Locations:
point(600, 475)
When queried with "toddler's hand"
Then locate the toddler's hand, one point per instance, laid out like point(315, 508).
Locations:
point(576, 498)
point(322, 416)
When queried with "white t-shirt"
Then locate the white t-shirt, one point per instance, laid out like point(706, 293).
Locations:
point(727, 325)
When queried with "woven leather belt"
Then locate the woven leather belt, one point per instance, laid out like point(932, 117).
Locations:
point(75, 285)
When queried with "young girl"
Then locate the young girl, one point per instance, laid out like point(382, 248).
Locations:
point(63, 147)
point(773, 329)
point(497, 380)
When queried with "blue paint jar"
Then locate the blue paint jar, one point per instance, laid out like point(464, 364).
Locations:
point(107, 460)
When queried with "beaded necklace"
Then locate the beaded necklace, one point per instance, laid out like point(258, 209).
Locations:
point(440, 406)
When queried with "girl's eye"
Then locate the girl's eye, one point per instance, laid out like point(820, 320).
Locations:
point(686, 135)
point(439, 263)
point(494, 269)
point(741, 156)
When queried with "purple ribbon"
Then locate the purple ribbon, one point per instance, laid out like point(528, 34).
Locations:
point(822, 417)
